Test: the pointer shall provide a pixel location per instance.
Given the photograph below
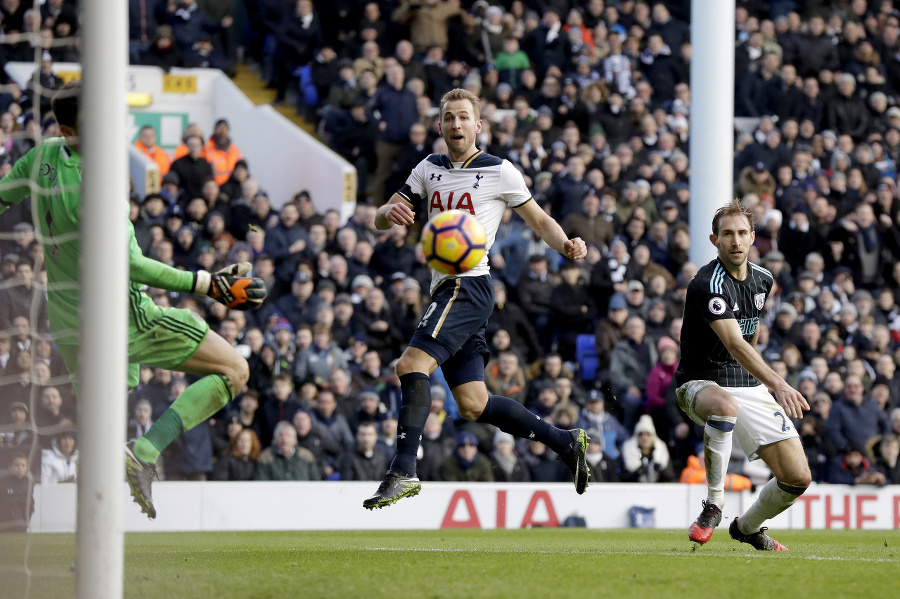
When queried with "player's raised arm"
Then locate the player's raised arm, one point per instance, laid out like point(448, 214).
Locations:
point(789, 398)
point(550, 231)
point(398, 211)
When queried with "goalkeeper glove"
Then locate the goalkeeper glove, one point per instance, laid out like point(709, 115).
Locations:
point(228, 287)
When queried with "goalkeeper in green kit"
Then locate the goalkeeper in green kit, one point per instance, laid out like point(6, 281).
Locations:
point(169, 338)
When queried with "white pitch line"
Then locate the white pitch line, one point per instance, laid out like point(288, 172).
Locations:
point(638, 553)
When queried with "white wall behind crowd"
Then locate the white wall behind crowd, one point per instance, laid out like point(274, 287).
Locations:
point(282, 156)
point(229, 506)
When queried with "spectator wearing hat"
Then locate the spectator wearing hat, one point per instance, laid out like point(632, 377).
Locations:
point(572, 310)
point(369, 408)
point(221, 153)
point(645, 458)
point(610, 329)
point(162, 51)
point(467, 463)
point(798, 238)
point(146, 143)
point(658, 381)
point(594, 416)
point(507, 466)
point(204, 55)
point(192, 169)
point(59, 464)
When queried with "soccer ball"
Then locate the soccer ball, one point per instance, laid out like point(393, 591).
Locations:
point(454, 242)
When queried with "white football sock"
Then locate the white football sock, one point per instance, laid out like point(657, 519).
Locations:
point(774, 498)
point(717, 451)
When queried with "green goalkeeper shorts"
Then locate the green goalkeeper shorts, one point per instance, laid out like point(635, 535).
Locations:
point(160, 337)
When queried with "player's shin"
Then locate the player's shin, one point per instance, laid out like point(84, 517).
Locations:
point(717, 435)
point(416, 390)
point(197, 403)
point(774, 498)
point(512, 417)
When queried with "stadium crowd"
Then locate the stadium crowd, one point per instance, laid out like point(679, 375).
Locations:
point(591, 101)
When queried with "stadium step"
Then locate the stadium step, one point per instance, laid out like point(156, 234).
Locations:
point(255, 89)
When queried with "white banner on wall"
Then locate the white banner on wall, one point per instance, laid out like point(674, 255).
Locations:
point(232, 506)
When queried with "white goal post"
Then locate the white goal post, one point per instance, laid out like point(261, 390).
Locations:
point(104, 318)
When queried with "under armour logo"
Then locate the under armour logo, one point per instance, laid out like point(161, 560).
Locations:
point(478, 179)
point(434, 176)
point(531, 435)
point(401, 436)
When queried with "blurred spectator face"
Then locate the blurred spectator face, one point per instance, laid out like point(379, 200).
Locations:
point(372, 363)
point(286, 440)
point(281, 389)
point(508, 364)
point(339, 382)
point(389, 428)
point(244, 442)
point(889, 449)
point(501, 340)
point(326, 404)
point(249, 403)
point(467, 451)
point(635, 329)
point(853, 389)
point(302, 423)
point(18, 467)
point(553, 366)
point(366, 437)
point(303, 338)
point(66, 444)
point(51, 400)
point(148, 137)
point(142, 412)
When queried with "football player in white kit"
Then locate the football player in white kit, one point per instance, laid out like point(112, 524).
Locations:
point(451, 332)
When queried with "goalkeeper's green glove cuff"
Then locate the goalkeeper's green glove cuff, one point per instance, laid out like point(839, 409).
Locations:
point(230, 288)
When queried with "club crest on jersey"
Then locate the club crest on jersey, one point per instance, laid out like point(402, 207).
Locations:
point(478, 179)
point(717, 306)
point(759, 300)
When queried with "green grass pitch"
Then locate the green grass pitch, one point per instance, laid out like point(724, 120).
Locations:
point(473, 563)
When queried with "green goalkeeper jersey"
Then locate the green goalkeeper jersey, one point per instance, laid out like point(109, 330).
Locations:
point(51, 174)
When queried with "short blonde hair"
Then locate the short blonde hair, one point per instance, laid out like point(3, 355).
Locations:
point(461, 94)
point(735, 208)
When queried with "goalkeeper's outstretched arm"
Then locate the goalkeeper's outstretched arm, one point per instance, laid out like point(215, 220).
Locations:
point(228, 286)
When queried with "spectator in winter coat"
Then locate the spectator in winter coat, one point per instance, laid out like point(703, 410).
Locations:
point(660, 377)
point(467, 464)
point(853, 468)
point(240, 462)
point(192, 169)
point(364, 461)
point(594, 416)
point(284, 460)
point(645, 457)
point(282, 406)
point(856, 419)
point(630, 364)
point(59, 464)
point(507, 466)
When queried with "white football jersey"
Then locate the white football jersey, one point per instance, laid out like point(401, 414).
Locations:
point(484, 185)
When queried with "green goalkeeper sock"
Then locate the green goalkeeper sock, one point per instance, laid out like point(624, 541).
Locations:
point(197, 403)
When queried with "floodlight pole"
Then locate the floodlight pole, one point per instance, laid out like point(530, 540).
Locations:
point(104, 300)
point(712, 119)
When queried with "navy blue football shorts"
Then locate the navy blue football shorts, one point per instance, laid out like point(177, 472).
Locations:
point(452, 329)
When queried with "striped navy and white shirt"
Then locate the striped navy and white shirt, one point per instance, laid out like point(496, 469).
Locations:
point(713, 294)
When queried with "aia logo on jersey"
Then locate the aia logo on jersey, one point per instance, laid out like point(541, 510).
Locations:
point(717, 306)
point(759, 300)
point(463, 203)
